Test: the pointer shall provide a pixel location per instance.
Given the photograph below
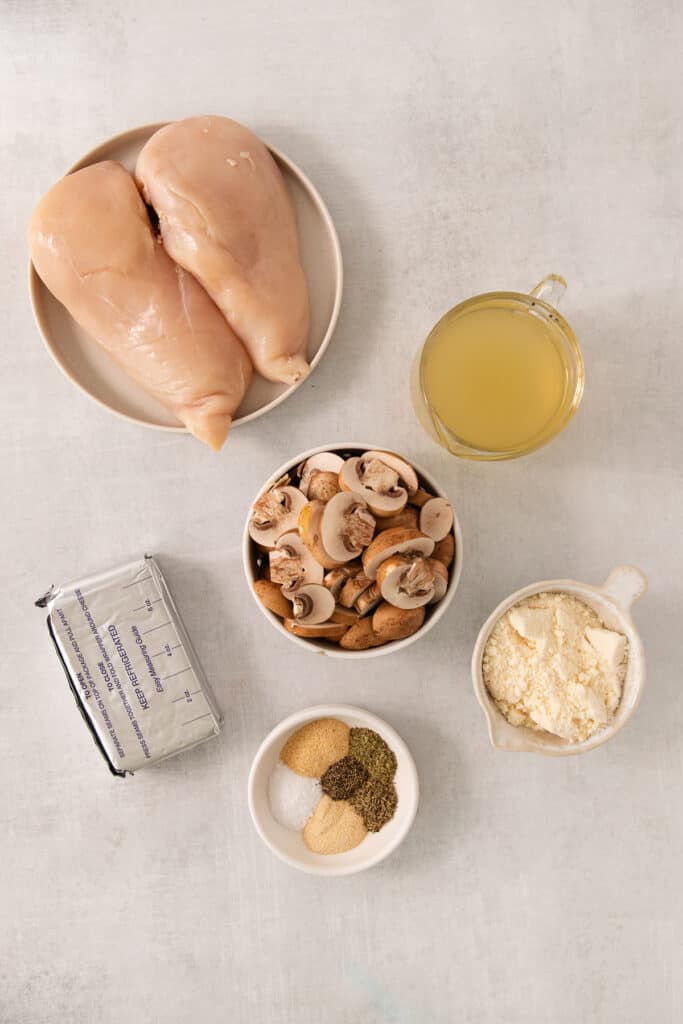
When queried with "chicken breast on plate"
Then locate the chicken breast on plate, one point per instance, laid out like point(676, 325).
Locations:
point(92, 243)
point(226, 216)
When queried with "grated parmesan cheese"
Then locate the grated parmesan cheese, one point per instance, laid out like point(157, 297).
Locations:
point(551, 664)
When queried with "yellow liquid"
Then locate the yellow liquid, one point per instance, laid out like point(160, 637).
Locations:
point(495, 377)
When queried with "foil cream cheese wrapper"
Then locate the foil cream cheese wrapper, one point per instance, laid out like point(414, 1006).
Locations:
point(131, 666)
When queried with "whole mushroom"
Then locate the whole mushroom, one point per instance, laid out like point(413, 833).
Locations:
point(390, 623)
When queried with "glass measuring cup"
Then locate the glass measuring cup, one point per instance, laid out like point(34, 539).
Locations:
point(500, 374)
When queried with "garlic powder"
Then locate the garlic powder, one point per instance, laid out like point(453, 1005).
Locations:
point(551, 664)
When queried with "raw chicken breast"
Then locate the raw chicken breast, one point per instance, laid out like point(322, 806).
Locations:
point(226, 216)
point(92, 244)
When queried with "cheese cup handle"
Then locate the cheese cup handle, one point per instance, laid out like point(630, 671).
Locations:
point(625, 585)
point(550, 290)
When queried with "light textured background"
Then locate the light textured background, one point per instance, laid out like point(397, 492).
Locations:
point(462, 147)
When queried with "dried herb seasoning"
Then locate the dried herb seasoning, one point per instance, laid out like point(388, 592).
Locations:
point(343, 778)
point(376, 803)
point(377, 758)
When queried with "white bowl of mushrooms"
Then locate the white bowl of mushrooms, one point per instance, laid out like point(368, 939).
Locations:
point(351, 550)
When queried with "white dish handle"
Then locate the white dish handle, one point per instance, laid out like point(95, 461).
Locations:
point(625, 585)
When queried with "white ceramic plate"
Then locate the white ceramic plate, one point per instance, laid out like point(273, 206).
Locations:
point(89, 367)
point(289, 845)
point(434, 613)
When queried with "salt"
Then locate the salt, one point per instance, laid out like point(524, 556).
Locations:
point(292, 797)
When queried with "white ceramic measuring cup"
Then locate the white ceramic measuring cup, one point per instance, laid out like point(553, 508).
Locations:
point(612, 603)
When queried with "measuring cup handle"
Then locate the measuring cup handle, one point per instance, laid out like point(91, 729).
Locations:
point(625, 585)
point(550, 289)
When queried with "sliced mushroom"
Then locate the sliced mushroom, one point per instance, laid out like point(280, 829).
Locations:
point(405, 520)
point(436, 518)
point(368, 600)
point(323, 462)
point(336, 532)
point(345, 615)
point(272, 597)
point(360, 636)
point(411, 581)
point(394, 542)
point(274, 513)
point(317, 631)
point(322, 486)
point(390, 623)
point(310, 529)
point(376, 483)
point(292, 565)
point(405, 471)
point(348, 526)
point(335, 579)
point(444, 551)
point(353, 588)
point(312, 603)
point(442, 579)
point(420, 497)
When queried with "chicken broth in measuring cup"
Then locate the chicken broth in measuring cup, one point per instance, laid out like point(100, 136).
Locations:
point(498, 376)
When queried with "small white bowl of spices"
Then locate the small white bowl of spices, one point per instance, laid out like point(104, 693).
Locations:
point(558, 667)
point(333, 790)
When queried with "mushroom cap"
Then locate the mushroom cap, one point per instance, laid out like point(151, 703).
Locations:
point(345, 523)
point(391, 623)
point(274, 513)
point(441, 579)
point(394, 542)
point(312, 603)
point(406, 473)
point(436, 518)
point(444, 550)
point(420, 497)
point(380, 503)
point(360, 636)
point(317, 631)
point(308, 571)
point(346, 615)
point(325, 462)
point(323, 485)
point(270, 595)
point(407, 518)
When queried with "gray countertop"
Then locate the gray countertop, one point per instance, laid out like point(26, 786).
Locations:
point(461, 147)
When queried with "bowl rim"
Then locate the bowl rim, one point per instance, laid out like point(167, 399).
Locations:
point(395, 645)
point(394, 740)
point(37, 288)
point(528, 741)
